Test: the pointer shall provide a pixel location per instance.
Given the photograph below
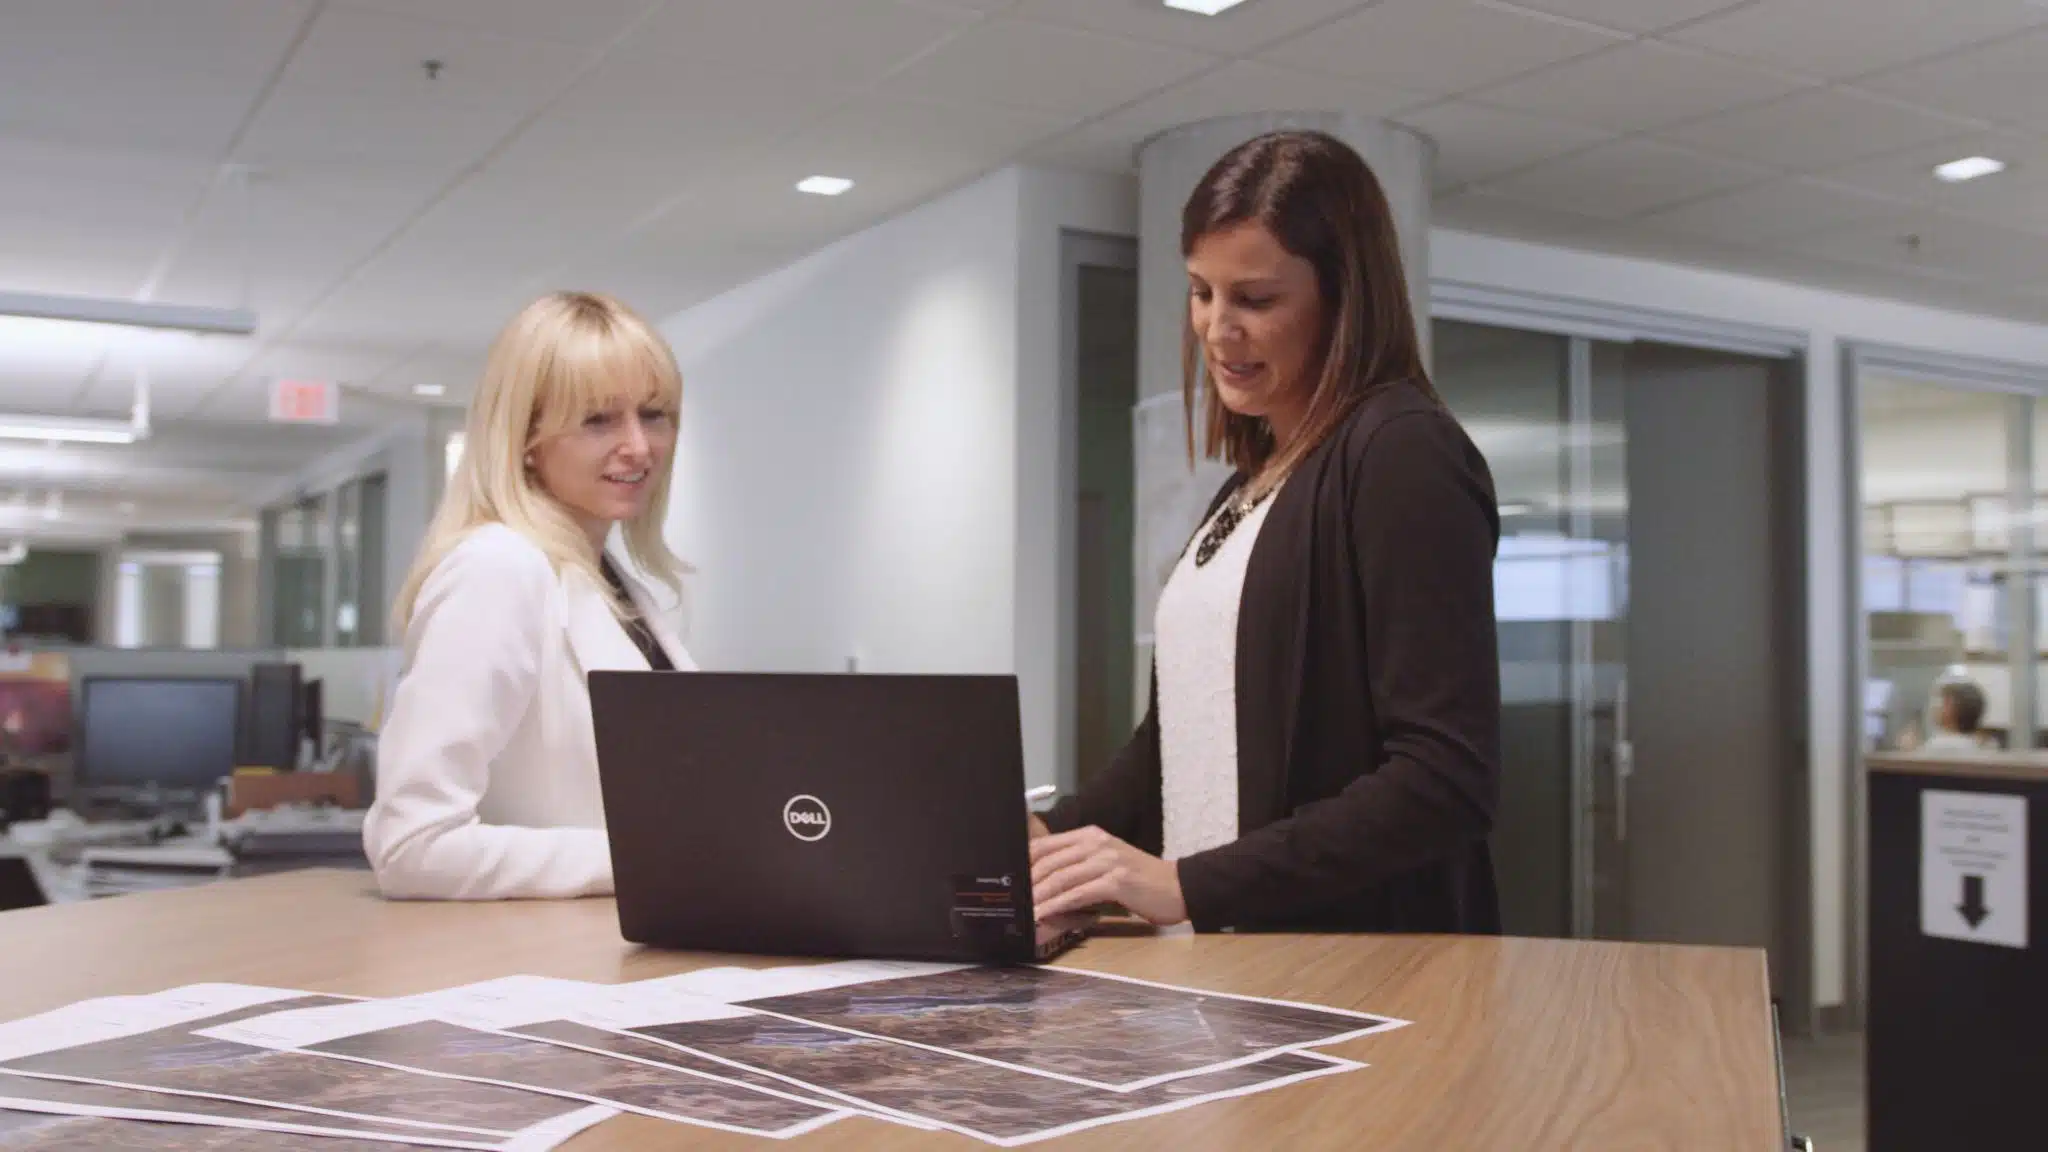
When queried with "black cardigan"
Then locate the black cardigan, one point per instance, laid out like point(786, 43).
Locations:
point(1368, 696)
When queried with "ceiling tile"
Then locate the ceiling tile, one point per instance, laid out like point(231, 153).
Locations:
point(185, 114)
point(2016, 200)
point(2005, 82)
point(845, 43)
point(1640, 87)
point(61, 181)
point(892, 130)
point(1947, 247)
point(1438, 46)
point(39, 392)
point(1241, 87)
point(354, 363)
point(357, 50)
point(1816, 129)
point(1478, 210)
point(1475, 142)
point(1771, 212)
point(1636, 16)
point(1626, 177)
point(1232, 32)
point(277, 249)
point(1038, 66)
point(453, 369)
point(389, 305)
point(1823, 38)
point(586, 22)
point(643, 110)
point(306, 130)
point(236, 42)
point(79, 258)
point(1908, 174)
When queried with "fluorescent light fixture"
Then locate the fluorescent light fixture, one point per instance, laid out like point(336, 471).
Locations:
point(824, 185)
point(132, 313)
point(1203, 7)
point(1968, 168)
point(428, 389)
point(70, 431)
point(82, 430)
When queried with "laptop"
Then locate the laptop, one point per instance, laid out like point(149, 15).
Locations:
point(804, 814)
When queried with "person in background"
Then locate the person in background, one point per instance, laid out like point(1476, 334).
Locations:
point(1322, 750)
point(487, 783)
point(1958, 714)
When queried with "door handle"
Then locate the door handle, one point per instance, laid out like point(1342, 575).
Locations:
point(1624, 767)
point(1624, 760)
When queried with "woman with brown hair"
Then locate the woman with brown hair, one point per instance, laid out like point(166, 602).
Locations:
point(1322, 751)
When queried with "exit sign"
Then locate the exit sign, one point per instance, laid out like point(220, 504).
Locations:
point(305, 401)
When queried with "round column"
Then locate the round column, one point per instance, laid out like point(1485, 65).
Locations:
point(1169, 498)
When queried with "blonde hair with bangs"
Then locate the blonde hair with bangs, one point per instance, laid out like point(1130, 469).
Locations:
point(563, 357)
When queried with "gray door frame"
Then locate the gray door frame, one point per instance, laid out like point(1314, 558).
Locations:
point(1078, 249)
point(2029, 383)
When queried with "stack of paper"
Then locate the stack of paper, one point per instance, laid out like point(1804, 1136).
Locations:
point(1004, 1055)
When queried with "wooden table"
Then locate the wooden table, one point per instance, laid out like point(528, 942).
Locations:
point(1516, 1044)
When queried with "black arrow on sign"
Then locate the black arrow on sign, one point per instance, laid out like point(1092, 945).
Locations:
point(1972, 907)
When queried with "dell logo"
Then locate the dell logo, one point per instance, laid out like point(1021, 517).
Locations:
point(807, 818)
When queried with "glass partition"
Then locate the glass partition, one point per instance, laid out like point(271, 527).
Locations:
point(299, 595)
point(1945, 585)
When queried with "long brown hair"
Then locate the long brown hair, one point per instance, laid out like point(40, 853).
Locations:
point(1323, 204)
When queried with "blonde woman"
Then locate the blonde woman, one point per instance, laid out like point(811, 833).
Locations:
point(487, 782)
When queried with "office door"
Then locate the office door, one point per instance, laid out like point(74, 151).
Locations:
point(1704, 770)
point(1646, 588)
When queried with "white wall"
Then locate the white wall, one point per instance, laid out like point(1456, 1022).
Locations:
point(846, 476)
point(1829, 318)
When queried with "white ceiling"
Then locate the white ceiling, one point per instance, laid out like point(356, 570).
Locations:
point(294, 156)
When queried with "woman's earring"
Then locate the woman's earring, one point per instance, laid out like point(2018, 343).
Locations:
point(529, 459)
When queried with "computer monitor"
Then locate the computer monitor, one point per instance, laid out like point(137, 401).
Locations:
point(174, 735)
point(312, 714)
point(274, 719)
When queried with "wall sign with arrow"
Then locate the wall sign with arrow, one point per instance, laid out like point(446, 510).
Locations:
point(1973, 867)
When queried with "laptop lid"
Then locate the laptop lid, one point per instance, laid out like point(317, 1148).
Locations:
point(817, 814)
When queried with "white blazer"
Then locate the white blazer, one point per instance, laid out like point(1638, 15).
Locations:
point(487, 783)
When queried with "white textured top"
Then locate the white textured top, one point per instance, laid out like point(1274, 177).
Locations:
point(1195, 645)
point(487, 782)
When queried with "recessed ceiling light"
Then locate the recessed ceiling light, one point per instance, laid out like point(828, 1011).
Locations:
point(1968, 168)
point(1203, 7)
point(428, 389)
point(824, 185)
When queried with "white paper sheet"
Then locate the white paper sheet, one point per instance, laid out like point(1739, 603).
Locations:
point(76, 1098)
point(434, 1035)
point(43, 1130)
point(916, 1083)
point(1089, 1028)
point(151, 1042)
point(36, 1131)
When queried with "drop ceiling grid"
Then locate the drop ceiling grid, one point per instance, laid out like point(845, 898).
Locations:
point(1767, 131)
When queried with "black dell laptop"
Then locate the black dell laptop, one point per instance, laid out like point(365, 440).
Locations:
point(819, 815)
